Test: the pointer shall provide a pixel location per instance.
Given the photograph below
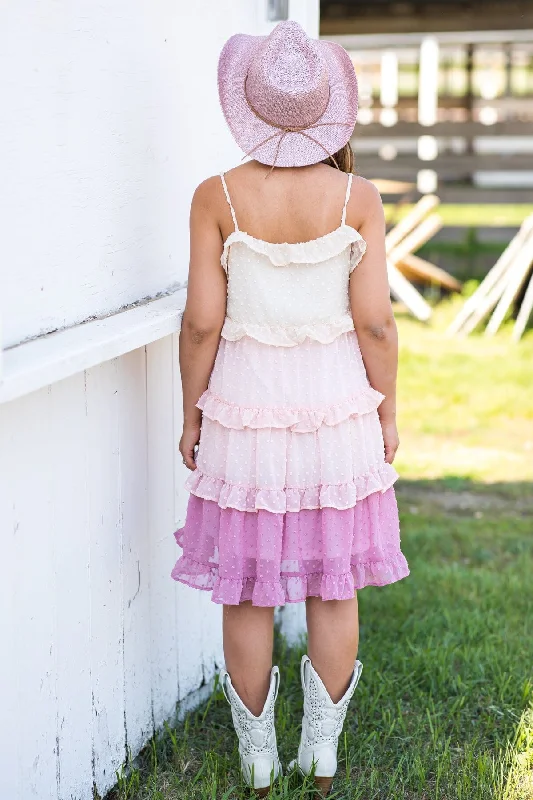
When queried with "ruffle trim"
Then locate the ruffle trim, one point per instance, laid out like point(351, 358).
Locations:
point(302, 420)
point(279, 501)
point(289, 588)
point(288, 335)
point(311, 252)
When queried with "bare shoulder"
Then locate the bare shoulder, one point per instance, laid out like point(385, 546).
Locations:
point(364, 204)
point(209, 193)
point(365, 196)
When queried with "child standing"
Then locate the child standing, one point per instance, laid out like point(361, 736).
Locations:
point(288, 355)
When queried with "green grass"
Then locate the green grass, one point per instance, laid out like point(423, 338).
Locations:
point(465, 404)
point(470, 214)
point(444, 710)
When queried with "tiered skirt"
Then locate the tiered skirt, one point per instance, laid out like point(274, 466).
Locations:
point(291, 496)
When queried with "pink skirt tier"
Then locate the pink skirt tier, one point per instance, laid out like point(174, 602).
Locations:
point(273, 559)
point(291, 496)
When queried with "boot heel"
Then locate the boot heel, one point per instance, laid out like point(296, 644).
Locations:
point(324, 785)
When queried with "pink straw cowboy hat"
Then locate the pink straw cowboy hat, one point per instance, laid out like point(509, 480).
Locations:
point(289, 100)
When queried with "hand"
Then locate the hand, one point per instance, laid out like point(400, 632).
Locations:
point(189, 438)
point(390, 439)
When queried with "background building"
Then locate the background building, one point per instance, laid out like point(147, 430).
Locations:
point(446, 87)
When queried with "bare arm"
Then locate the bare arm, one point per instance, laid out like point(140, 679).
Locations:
point(203, 316)
point(373, 318)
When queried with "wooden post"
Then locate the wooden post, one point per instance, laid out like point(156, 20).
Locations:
point(428, 81)
point(469, 94)
point(508, 49)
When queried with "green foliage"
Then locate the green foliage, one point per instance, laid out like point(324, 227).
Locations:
point(469, 287)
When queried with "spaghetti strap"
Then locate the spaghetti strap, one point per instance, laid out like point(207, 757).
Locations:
point(348, 189)
point(228, 198)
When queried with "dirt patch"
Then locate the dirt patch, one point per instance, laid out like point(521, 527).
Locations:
point(417, 498)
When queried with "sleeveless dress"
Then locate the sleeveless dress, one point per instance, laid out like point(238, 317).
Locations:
point(291, 496)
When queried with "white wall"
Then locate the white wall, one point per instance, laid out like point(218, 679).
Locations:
point(113, 119)
point(98, 642)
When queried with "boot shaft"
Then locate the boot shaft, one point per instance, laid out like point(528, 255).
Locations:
point(322, 722)
point(256, 734)
point(323, 719)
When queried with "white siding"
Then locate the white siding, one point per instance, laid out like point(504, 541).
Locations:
point(98, 642)
point(113, 119)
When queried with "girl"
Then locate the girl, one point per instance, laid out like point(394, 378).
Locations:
point(288, 358)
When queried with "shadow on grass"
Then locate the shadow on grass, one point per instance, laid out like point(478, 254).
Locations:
point(457, 493)
point(444, 709)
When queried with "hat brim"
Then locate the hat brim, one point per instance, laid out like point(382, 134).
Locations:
point(262, 141)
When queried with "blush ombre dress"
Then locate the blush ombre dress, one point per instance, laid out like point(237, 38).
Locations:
point(291, 496)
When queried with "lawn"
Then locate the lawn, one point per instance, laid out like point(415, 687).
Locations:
point(445, 706)
point(471, 214)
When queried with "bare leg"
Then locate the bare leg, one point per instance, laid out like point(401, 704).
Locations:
point(333, 631)
point(248, 641)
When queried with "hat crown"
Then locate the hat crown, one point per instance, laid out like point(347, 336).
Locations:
point(287, 80)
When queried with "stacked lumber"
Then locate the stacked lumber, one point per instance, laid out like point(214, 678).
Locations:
point(414, 230)
point(422, 271)
point(501, 287)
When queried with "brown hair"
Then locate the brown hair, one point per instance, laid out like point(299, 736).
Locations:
point(343, 159)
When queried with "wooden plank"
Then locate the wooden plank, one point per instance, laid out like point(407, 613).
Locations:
point(30, 547)
point(343, 31)
point(404, 291)
point(37, 363)
point(409, 130)
point(401, 245)
point(525, 312)
point(421, 234)
point(485, 305)
point(211, 619)
point(70, 542)
point(202, 626)
point(107, 619)
point(181, 496)
point(492, 288)
point(452, 166)
point(12, 738)
point(414, 267)
point(480, 303)
point(456, 162)
point(410, 221)
point(163, 550)
point(136, 548)
point(516, 278)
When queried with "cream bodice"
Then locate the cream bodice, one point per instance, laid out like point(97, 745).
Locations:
point(282, 294)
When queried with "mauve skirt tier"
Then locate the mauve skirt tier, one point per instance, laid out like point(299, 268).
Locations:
point(273, 559)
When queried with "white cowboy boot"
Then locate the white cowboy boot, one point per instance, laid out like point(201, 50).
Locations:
point(322, 723)
point(257, 736)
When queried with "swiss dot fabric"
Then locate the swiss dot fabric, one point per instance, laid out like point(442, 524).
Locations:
point(291, 496)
